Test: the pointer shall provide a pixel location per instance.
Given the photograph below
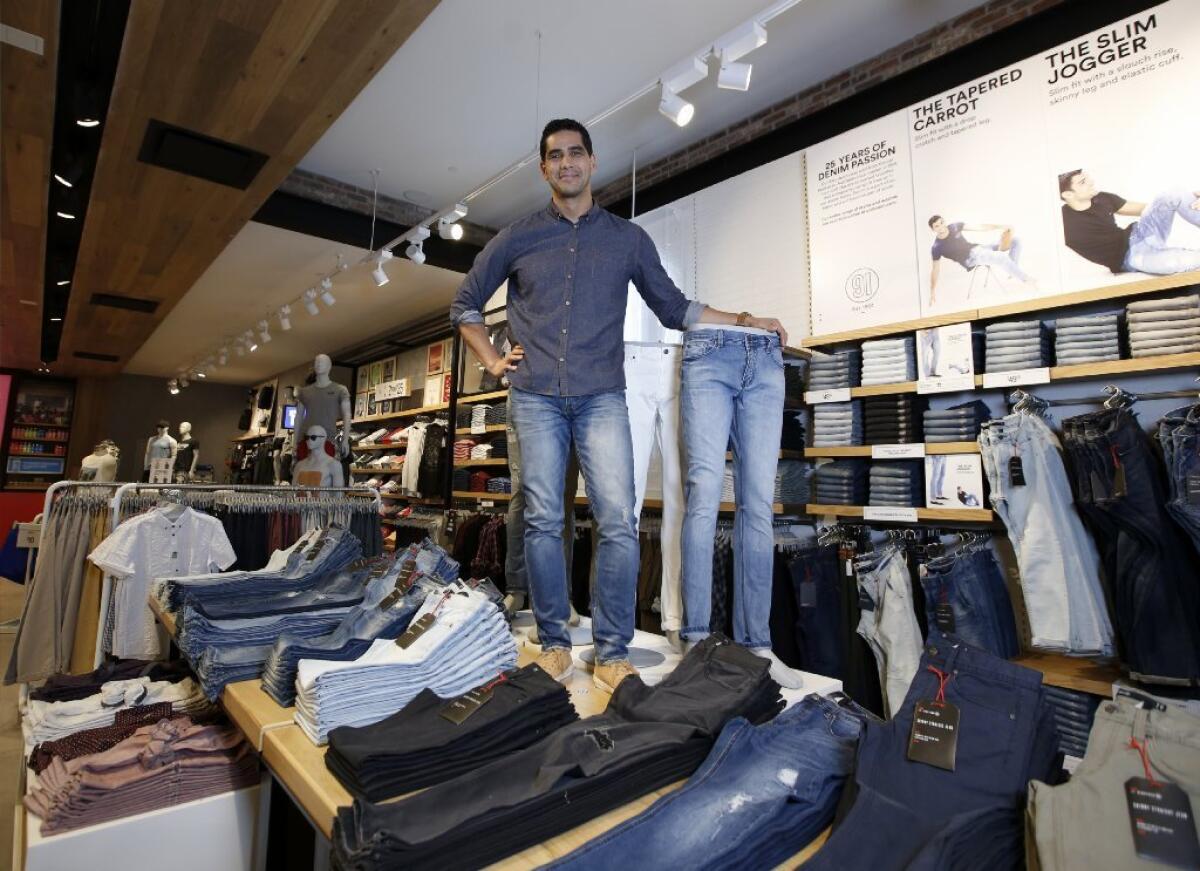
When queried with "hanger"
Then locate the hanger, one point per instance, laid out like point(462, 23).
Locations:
point(1118, 397)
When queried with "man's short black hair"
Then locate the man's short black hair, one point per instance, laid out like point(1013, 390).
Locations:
point(162, 424)
point(560, 124)
point(1065, 179)
point(934, 220)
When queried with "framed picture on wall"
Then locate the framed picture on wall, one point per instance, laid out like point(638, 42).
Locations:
point(371, 406)
point(385, 407)
point(360, 403)
point(364, 379)
point(376, 373)
point(389, 370)
point(435, 358)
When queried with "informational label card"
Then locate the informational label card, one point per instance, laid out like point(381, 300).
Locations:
point(1017, 377)
point(817, 397)
point(954, 481)
point(890, 514)
point(945, 359)
point(898, 452)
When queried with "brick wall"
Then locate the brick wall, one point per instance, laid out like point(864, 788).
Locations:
point(934, 43)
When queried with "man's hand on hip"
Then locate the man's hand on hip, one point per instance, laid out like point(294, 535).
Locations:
point(771, 325)
point(507, 363)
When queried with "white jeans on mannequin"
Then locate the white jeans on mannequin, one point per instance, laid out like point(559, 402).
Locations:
point(652, 394)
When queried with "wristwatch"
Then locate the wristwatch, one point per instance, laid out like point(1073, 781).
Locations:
point(743, 317)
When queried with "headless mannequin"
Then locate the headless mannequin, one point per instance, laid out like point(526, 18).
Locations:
point(187, 445)
point(102, 461)
point(161, 447)
point(318, 461)
point(320, 404)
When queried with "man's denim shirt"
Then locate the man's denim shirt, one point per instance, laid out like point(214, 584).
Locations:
point(568, 285)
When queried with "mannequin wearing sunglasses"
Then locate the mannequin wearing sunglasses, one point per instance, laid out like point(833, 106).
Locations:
point(318, 460)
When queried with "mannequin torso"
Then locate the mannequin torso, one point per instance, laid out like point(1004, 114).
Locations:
point(317, 463)
point(99, 465)
point(322, 403)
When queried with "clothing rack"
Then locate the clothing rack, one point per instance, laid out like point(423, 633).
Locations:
point(57, 487)
point(1100, 400)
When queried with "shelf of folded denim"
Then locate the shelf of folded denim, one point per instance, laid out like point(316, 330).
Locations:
point(865, 450)
point(948, 515)
point(837, 370)
point(472, 494)
point(897, 484)
point(1073, 672)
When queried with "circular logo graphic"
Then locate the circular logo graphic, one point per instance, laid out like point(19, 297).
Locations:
point(862, 285)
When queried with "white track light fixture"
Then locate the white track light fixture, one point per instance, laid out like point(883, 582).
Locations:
point(450, 232)
point(183, 382)
point(674, 107)
point(415, 252)
point(248, 340)
point(327, 296)
point(378, 273)
point(676, 79)
point(285, 317)
point(173, 387)
point(310, 301)
point(732, 47)
point(264, 333)
point(415, 237)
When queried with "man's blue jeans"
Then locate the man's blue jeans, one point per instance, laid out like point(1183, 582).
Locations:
point(731, 393)
point(599, 427)
point(1148, 249)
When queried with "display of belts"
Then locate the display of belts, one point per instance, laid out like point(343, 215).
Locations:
point(38, 432)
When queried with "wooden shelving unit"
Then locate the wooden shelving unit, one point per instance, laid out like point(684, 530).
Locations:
point(492, 427)
point(865, 450)
point(383, 470)
point(471, 494)
point(1120, 291)
point(397, 415)
point(948, 515)
point(466, 464)
point(1073, 673)
point(483, 397)
point(377, 447)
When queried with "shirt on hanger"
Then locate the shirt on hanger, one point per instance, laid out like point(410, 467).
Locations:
point(151, 546)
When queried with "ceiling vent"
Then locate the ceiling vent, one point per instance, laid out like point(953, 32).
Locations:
point(203, 156)
point(92, 355)
point(129, 303)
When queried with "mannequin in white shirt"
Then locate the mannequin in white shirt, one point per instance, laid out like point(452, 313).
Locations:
point(318, 461)
point(321, 403)
point(162, 446)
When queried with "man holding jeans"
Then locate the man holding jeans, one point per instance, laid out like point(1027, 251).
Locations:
point(568, 268)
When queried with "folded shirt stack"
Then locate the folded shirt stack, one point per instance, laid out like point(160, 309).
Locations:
point(1015, 345)
point(835, 371)
point(171, 762)
point(478, 482)
point(1164, 326)
point(481, 451)
point(958, 423)
point(433, 739)
point(791, 436)
point(842, 482)
point(496, 414)
point(838, 424)
point(499, 484)
point(792, 482)
point(795, 369)
point(69, 687)
point(1088, 339)
point(893, 419)
point(463, 448)
point(457, 640)
point(88, 741)
point(889, 361)
point(499, 447)
point(460, 480)
point(899, 483)
point(479, 412)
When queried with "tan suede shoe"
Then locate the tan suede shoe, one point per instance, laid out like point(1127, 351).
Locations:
point(609, 675)
point(556, 662)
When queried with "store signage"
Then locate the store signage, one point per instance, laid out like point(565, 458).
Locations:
point(162, 471)
point(28, 535)
point(816, 397)
point(897, 452)
point(1017, 377)
point(397, 389)
point(890, 514)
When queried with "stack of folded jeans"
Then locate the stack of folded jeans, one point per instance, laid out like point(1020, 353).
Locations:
point(791, 482)
point(965, 594)
point(958, 423)
point(842, 482)
point(891, 420)
point(457, 640)
point(889, 620)
point(419, 746)
point(739, 810)
point(1085, 823)
point(898, 483)
point(1057, 559)
point(835, 371)
point(791, 437)
point(1088, 339)
point(838, 424)
point(646, 738)
point(1164, 326)
point(1074, 713)
point(795, 369)
point(908, 814)
point(391, 599)
point(889, 361)
point(1015, 345)
point(1179, 435)
point(1150, 565)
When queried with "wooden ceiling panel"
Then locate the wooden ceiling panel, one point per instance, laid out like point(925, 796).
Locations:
point(26, 131)
point(267, 75)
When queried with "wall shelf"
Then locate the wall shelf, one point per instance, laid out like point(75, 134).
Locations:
point(482, 397)
point(949, 515)
point(395, 415)
point(466, 464)
point(491, 427)
point(377, 447)
point(1072, 672)
point(865, 450)
point(471, 494)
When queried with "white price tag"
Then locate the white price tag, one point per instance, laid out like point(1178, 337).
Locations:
point(888, 513)
point(950, 384)
point(898, 452)
point(486, 503)
point(1017, 377)
point(28, 535)
point(816, 397)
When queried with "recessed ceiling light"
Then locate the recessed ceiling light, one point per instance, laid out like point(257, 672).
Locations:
point(27, 301)
point(65, 215)
point(88, 122)
point(56, 320)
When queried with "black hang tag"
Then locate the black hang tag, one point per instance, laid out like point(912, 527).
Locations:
point(390, 599)
point(1016, 472)
point(864, 601)
point(1099, 493)
point(1193, 489)
point(1164, 829)
point(943, 616)
point(458, 710)
point(418, 628)
point(934, 736)
point(1119, 488)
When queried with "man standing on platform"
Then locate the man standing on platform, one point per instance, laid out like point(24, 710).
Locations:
point(568, 268)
